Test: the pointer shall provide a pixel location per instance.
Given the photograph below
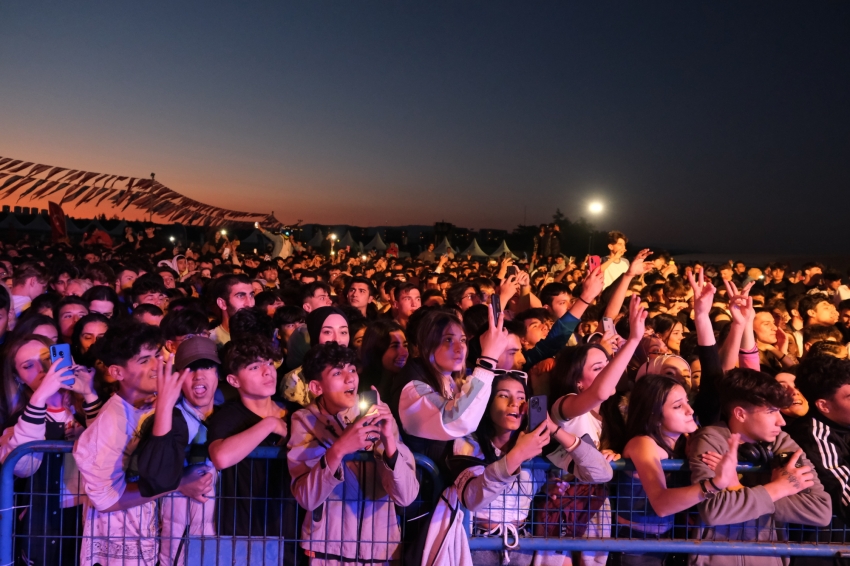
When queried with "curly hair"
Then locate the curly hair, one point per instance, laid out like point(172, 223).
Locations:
point(238, 354)
point(125, 339)
point(324, 356)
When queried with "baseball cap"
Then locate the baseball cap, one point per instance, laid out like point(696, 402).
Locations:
point(194, 349)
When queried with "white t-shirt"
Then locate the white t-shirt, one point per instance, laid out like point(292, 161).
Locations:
point(614, 270)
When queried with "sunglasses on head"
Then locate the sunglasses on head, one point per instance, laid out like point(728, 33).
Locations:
point(515, 373)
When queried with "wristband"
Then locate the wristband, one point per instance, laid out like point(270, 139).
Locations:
point(582, 300)
point(711, 481)
point(707, 494)
point(489, 358)
point(484, 364)
point(574, 445)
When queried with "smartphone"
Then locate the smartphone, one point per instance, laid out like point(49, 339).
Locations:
point(496, 305)
point(368, 399)
point(593, 262)
point(62, 352)
point(536, 411)
point(512, 270)
point(607, 324)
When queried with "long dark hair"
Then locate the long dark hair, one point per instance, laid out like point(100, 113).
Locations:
point(569, 367)
point(487, 428)
point(645, 411)
point(87, 358)
point(376, 342)
point(429, 333)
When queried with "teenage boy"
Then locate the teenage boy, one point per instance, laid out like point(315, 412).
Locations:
point(757, 509)
point(351, 505)
point(120, 526)
point(254, 499)
point(162, 451)
point(825, 432)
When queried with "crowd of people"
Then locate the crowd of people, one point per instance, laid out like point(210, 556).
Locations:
point(185, 361)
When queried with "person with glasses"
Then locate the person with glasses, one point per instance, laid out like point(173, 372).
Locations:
point(464, 295)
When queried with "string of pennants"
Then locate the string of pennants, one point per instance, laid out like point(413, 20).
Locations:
point(77, 187)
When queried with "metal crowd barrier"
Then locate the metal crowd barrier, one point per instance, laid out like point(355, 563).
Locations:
point(551, 525)
point(612, 512)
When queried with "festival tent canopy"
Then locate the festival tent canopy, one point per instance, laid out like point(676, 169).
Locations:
point(474, 250)
point(444, 247)
point(502, 250)
point(11, 222)
point(376, 243)
point(317, 240)
point(347, 240)
point(38, 224)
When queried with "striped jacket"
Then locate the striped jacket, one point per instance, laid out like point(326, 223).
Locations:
point(827, 445)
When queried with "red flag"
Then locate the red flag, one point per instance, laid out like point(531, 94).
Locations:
point(58, 226)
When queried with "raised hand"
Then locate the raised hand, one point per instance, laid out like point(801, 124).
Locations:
point(169, 384)
point(523, 279)
point(592, 285)
point(508, 289)
point(703, 293)
point(740, 303)
point(495, 339)
point(528, 445)
point(639, 265)
point(51, 383)
point(637, 319)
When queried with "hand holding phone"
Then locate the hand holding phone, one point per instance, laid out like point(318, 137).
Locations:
point(537, 411)
point(62, 352)
point(368, 400)
point(607, 324)
point(496, 306)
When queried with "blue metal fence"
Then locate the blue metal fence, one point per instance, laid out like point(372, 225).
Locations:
point(683, 536)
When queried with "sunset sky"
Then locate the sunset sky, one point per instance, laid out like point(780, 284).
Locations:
point(712, 126)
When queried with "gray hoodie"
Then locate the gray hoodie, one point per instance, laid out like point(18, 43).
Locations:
point(748, 513)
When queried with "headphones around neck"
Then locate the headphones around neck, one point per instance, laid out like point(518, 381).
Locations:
point(755, 453)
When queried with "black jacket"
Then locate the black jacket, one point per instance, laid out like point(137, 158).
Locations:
point(827, 445)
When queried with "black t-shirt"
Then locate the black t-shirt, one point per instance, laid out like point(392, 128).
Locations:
point(255, 497)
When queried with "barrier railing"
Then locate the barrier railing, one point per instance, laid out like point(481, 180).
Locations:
point(547, 524)
point(627, 525)
point(41, 520)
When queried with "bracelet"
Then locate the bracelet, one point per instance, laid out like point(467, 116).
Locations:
point(484, 364)
point(582, 300)
point(707, 494)
point(575, 444)
point(488, 358)
point(711, 481)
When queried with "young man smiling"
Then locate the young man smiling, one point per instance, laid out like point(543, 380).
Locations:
point(120, 526)
point(354, 501)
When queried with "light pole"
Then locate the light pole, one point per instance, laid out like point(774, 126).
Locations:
point(595, 208)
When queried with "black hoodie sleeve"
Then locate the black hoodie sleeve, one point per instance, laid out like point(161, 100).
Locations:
point(707, 403)
point(161, 458)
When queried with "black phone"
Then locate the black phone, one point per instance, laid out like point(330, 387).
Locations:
point(537, 411)
point(512, 270)
point(496, 305)
point(368, 399)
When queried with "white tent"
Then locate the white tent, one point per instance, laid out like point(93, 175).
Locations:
point(444, 247)
point(376, 243)
point(502, 250)
point(317, 240)
point(347, 240)
point(474, 250)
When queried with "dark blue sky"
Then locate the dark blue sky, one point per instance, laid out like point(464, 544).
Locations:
point(712, 126)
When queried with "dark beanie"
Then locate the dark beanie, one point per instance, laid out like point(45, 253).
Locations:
point(316, 319)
